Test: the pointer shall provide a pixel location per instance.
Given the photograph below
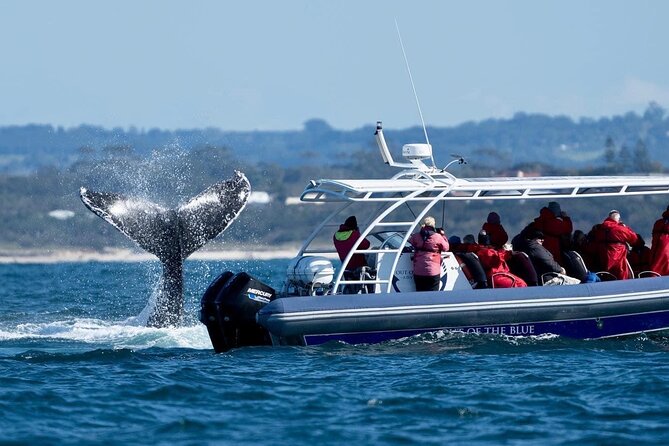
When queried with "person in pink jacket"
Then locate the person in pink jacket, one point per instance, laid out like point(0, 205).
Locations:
point(428, 244)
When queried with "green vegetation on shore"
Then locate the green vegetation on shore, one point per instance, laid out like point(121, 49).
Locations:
point(171, 173)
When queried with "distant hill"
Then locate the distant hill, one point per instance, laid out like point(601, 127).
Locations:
point(525, 138)
point(43, 169)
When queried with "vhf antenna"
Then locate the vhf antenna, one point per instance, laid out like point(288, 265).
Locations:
point(420, 112)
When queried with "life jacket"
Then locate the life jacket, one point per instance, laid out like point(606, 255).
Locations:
point(344, 240)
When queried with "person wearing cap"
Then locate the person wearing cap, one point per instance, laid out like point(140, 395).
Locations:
point(494, 264)
point(659, 248)
point(617, 237)
point(428, 244)
point(543, 261)
point(541, 258)
point(556, 227)
point(493, 227)
point(344, 240)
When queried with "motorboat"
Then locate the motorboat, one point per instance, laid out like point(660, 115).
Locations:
point(320, 301)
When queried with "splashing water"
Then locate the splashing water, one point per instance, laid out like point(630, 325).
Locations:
point(105, 334)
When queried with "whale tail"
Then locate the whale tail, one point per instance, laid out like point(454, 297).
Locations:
point(172, 234)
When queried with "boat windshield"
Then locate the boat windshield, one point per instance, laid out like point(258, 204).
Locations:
point(387, 240)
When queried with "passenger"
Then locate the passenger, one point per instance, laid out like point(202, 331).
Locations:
point(468, 244)
point(429, 244)
point(495, 230)
point(579, 241)
point(454, 244)
point(588, 251)
point(596, 248)
point(639, 256)
point(556, 227)
point(494, 262)
point(519, 241)
point(543, 260)
point(618, 237)
point(345, 238)
point(659, 248)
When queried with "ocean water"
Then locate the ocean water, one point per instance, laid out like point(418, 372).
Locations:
point(77, 368)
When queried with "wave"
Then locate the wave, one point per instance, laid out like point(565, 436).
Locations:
point(442, 341)
point(116, 335)
point(133, 335)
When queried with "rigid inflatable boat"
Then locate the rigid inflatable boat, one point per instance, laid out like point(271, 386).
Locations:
point(321, 302)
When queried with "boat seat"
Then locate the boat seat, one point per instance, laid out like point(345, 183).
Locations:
point(545, 277)
point(473, 269)
point(575, 265)
point(361, 273)
point(630, 271)
point(510, 276)
point(606, 276)
point(644, 274)
point(521, 265)
point(552, 278)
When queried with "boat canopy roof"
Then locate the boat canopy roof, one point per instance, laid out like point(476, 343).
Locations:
point(448, 187)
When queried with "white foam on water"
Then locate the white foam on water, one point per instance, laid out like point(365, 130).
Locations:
point(116, 335)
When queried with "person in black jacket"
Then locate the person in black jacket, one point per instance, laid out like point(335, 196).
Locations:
point(541, 258)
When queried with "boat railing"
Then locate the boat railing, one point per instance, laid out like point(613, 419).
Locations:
point(382, 220)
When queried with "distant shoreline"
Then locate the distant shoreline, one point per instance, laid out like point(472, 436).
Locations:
point(33, 256)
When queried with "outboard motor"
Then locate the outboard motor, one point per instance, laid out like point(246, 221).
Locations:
point(229, 307)
point(208, 314)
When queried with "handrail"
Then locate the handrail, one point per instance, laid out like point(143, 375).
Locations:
point(368, 230)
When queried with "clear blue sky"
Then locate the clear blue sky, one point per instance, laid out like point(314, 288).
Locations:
point(271, 64)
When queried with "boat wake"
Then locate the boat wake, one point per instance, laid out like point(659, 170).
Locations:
point(444, 342)
point(127, 334)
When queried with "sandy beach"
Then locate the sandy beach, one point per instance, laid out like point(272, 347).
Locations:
point(128, 255)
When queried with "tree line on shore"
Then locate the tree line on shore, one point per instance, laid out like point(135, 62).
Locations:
point(523, 138)
point(172, 175)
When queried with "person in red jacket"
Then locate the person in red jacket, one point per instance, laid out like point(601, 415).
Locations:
point(617, 238)
point(556, 226)
point(345, 238)
point(428, 244)
point(659, 248)
point(494, 262)
point(493, 227)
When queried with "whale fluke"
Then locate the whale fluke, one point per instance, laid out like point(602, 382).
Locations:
point(172, 234)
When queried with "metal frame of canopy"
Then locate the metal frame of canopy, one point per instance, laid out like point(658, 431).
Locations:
point(425, 189)
point(427, 186)
point(410, 181)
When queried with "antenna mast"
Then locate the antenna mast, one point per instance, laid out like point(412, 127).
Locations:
point(420, 112)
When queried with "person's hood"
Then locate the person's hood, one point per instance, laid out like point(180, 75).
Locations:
point(546, 213)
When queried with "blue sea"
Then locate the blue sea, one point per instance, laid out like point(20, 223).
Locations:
point(76, 367)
